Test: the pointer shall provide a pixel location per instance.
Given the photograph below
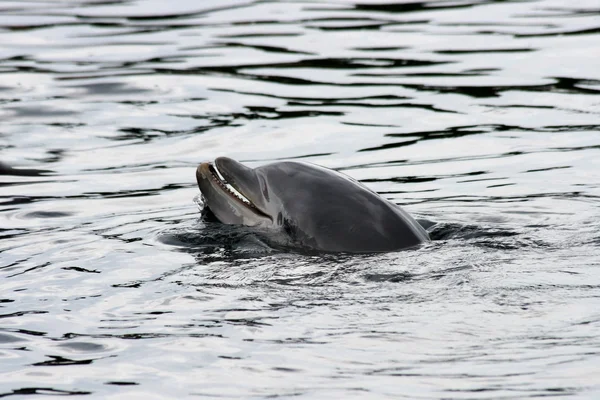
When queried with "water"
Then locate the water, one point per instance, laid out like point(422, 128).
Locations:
point(483, 116)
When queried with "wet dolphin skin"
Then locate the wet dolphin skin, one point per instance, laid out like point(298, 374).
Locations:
point(308, 206)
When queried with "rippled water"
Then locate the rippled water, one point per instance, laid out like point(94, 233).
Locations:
point(480, 115)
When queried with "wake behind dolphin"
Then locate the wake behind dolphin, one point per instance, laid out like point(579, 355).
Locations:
point(307, 206)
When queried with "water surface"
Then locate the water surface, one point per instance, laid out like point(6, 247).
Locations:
point(482, 116)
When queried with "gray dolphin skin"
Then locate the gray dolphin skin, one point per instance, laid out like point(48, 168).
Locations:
point(311, 207)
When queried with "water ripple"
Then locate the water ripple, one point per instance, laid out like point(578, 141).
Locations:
point(480, 117)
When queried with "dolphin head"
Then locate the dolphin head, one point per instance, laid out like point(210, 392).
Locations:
point(275, 195)
point(312, 206)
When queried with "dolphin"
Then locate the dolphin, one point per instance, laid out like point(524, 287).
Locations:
point(307, 206)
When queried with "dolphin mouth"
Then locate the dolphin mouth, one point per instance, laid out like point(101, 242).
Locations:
point(228, 187)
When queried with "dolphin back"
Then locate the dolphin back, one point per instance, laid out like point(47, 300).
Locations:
point(326, 210)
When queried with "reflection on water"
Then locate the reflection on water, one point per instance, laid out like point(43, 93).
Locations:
point(481, 116)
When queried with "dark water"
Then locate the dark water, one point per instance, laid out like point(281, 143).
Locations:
point(483, 116)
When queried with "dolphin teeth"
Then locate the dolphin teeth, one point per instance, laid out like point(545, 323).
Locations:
point(220, 180)
point(237, 194)
point(218, 173)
